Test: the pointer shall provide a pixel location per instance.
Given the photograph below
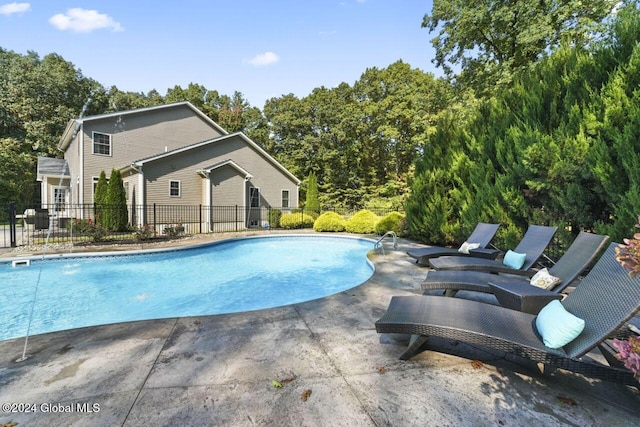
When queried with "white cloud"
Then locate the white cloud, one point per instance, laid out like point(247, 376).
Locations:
point(11, 8)
point(263, 59)
point(83, 21)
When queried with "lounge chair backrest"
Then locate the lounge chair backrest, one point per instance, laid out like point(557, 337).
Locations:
point(534, 242)
point(606, 299)
point(583, 251)
point(483, 234)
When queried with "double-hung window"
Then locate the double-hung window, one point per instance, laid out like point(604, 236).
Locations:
point(174, 188)
point(101, 144)
point(285, 198)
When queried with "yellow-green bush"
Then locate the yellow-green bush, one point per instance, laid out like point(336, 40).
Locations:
point(296, 220)
point(329, 221)
point(362, 222)
point(392, 221)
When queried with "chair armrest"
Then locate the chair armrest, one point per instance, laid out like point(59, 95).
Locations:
point(521, 296)
point(488, 253)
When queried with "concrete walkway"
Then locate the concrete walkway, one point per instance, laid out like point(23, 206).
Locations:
point(329, 365)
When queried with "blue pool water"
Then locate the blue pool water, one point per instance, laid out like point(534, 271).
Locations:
point(229, 276)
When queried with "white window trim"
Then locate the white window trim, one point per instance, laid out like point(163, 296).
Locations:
point(179, 195)
point(288, 198)
point(251, 198)
point(93, 144)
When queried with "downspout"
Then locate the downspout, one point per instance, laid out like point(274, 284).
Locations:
point(247, 210)
point(207, 198)
point(140, 194)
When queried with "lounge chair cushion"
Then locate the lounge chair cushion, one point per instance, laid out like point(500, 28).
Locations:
point(543, 279)
point(466, 247)
point(514, 259)
point(557, 326)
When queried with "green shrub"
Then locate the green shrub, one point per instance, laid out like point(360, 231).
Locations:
point(329, 221)
point(143, 233)
point(306, 211)
point(393, 221)
point(273, 217)
point(363, 222)
point(296, 220)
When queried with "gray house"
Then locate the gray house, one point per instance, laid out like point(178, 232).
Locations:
point(168, 155)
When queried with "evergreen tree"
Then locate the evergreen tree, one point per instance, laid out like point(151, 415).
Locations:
point(100, 198)
point(312, 202)
point(118, 216)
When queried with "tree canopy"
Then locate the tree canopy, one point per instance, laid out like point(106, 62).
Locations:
point(490, 40)
point(560, 145)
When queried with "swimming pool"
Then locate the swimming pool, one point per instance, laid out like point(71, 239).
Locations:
point(223, 277)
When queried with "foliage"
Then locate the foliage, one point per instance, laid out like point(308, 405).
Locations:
point(492, 40)
point(329, 221)
point(174, 230)
point(358, 139)
point(100, 199)
point(362, 222)
point(559, 145)
point(296, 220)
point(88, 227)
point(145, 232)
point(393, 221)
point(628, 255)
point(312, 202)
point(273, 217)
point(115, 214)
point(629, 353)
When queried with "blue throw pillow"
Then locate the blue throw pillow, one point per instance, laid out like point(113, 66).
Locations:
point(557, 326)
point(514, 259)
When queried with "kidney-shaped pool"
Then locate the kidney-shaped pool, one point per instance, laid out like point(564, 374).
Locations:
point(224, 277)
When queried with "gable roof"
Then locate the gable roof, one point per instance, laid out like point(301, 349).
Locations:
point(48, 166)
point(225, 163)
point(252, 144)
point(74, 124)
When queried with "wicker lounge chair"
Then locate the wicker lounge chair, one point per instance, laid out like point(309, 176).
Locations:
point(482, 234)
point(515, 292)
point(533, 244)
point(606, 299)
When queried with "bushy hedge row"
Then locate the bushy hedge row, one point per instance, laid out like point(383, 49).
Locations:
point(363, 222)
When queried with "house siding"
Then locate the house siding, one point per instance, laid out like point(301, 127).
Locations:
point(184, 166)
point(137, 136)
point(227, 187)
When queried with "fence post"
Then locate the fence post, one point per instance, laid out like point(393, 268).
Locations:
point(12, 224)
point(155, 229)
point(236, 221)
point(200, 217)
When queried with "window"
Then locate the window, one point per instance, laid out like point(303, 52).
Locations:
point(285, 198)
point(101, 144)
point(255, 197)
point(59, 198)
point(174, 188)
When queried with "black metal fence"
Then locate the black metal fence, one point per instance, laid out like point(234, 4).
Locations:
point(25, 224)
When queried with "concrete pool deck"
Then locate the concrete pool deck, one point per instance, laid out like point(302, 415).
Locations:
point(318, 363)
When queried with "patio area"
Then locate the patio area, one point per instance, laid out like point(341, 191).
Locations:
point(318, 363)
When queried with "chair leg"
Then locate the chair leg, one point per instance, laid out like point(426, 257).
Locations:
point(416, 345)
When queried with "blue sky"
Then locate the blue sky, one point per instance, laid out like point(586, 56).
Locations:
point(261, 48)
